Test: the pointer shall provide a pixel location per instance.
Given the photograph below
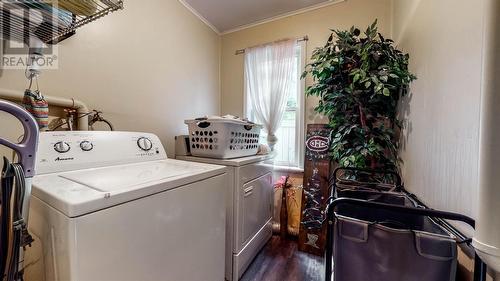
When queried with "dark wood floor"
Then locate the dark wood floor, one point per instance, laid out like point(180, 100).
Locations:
point(280, 260)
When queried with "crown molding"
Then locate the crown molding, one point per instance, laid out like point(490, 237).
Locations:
point(200, 17)
point(282, 16)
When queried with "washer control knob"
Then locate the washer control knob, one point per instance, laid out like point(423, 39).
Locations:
point(145, 144)
point(62, 147)
point(86, 146)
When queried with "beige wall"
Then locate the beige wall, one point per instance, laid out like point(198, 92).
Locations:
point(315, 24)
point(148, 67)
point(444, 39)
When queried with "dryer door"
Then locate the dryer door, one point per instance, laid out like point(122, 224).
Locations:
point(255, 208)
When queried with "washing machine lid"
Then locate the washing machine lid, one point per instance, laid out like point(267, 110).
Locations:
point(234, 162)
point(81, 192)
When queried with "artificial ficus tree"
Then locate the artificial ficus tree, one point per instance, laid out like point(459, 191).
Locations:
point(359, 79)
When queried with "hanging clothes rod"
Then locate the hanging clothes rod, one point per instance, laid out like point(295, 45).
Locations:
point(301, 39)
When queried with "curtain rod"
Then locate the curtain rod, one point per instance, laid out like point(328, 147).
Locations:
point(242, 51)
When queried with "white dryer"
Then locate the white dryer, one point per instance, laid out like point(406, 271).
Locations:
point(249, 209)
point(111, 206)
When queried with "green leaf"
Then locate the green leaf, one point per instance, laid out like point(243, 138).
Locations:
point(386, 92)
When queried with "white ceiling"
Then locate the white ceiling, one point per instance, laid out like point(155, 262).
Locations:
point(226, 15)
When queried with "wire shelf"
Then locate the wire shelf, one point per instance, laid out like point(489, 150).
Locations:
point(50, 20)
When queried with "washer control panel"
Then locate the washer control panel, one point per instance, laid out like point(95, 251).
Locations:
point(67, 151)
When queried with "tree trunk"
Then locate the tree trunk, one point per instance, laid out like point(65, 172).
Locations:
point(284, 212)
point(362, 116)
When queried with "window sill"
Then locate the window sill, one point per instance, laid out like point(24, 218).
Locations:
point(286, 169)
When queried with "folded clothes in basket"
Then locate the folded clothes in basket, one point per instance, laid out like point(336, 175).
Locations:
point(382, 245)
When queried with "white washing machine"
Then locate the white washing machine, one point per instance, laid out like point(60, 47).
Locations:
point(249, 209)
point(111, 206)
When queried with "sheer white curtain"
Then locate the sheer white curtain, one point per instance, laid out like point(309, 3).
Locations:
point(269, 70)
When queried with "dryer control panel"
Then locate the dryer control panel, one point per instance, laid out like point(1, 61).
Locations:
point(75, 150)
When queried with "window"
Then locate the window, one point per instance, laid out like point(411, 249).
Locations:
point(290, 146)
